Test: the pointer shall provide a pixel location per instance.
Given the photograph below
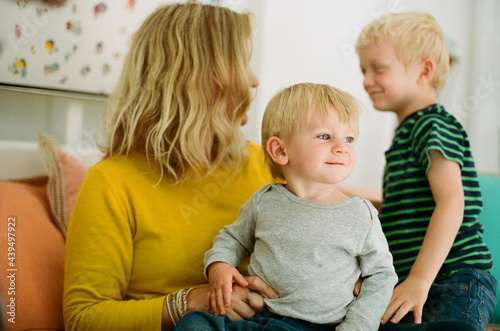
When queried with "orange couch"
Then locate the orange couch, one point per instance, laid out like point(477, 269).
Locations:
point(32, 294)
point(33, 217)
point(38, 186)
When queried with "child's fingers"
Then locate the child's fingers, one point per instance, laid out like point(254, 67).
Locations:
point(402, 311)
point(219, 299)
point(227, 287)
point(417, 317)
point(227, 291)
point(238, 278)
point(213, 303)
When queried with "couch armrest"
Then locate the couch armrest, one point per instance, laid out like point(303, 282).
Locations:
point(490, 219)
point(20, 159)
point(32, 276)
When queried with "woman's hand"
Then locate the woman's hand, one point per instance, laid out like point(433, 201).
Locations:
point(245, 301)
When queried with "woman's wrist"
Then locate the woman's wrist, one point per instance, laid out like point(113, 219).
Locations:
point(176, 307)
point(196, 299)
point(166, 319)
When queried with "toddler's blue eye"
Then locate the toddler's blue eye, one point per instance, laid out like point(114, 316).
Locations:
point(324, 136)
point(349, 139)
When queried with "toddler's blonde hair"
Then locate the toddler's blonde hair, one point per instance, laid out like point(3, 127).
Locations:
point(294, 107)
point(184, 90)
point(415, 36)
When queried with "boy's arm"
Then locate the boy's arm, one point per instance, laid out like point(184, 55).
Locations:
point(233, 243)
point(374, 195)
point(379, 278)
point(446, 185)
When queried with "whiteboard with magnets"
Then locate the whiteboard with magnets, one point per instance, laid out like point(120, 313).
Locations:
point(77, 47)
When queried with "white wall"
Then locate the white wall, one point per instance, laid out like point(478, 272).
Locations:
point(71, 120)
point(313, 40)
point(480, 106)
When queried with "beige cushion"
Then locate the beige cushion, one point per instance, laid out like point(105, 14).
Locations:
point(66, 174)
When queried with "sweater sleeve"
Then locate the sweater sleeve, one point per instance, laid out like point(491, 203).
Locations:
point(99, 257)
point(235, 241)
point(379, 279)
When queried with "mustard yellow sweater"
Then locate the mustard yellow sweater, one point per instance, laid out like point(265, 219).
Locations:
point(133, 239)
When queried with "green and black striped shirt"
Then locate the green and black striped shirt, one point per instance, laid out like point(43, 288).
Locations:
point(408, 204)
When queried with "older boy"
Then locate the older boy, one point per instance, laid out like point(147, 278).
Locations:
point(310, 242)
point(431, 196)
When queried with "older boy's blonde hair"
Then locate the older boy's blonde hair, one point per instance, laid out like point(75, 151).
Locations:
point(415, 36)
point(294, 107)
point(184, 90)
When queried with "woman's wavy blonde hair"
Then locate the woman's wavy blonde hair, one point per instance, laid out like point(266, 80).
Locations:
point(294, 107)
point(415, 36)
point(183, 91)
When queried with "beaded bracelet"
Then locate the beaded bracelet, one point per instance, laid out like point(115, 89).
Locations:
point(184, 300)
point(178, 303)
point(173, 317)
point(178, 308)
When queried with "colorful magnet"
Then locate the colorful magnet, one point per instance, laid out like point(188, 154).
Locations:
point(22, 3)
point(74, 27)
point(69, 54)
point(106, 68)
point(17, 32)
point(99, 47)
point(85, 71)
point(18, 67)
point(50, 46)
point(100, 8)
point(40, 12)
point(49, 69)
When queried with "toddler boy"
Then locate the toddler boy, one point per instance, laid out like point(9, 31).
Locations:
point(307, 240)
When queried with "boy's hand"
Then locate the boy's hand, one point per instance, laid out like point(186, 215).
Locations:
point(357, 287)
point(221, 277)
point(408, 296)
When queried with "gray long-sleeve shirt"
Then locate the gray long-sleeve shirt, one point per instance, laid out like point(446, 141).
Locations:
point(313, 254)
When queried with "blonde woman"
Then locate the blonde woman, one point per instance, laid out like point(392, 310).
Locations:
point(176, 170)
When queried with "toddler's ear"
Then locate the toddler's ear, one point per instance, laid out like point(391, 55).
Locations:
point(276, 149)
point(428, 68)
